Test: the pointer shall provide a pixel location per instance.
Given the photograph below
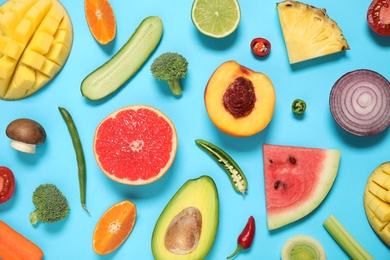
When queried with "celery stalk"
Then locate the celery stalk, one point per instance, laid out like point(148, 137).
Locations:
point(345, 240)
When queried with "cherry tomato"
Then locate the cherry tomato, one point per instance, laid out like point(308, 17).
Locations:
point(7, 184)
point(260, 47)
point(378, 17)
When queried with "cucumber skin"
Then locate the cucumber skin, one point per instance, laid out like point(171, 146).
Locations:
point(126, 62)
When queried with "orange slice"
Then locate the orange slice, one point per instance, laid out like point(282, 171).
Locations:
point(101, 20)
point(114, 227)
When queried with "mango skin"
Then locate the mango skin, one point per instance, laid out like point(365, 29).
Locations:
point(260, 116)
point(36, 37)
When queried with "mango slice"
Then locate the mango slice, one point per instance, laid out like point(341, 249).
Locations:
point(377, 201)
point(36, 38)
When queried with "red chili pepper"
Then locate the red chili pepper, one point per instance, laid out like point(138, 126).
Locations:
point(245, 239)
point(260, 47)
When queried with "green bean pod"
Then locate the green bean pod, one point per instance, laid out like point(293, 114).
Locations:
point(235, 173)
point(79, 154)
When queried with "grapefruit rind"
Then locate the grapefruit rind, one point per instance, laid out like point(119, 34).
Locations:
point(129, 179)
point(328, 167)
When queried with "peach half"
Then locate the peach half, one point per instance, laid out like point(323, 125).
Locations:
point(239, 101)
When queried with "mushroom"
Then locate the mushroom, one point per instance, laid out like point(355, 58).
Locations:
point(25, 134)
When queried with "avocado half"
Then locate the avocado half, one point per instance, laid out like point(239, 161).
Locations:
point(187, 226)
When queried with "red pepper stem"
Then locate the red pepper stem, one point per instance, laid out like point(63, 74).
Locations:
point(239, 248)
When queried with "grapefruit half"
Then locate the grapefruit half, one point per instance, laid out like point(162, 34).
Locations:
point(135, 145)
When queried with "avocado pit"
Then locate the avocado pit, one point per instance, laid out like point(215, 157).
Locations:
point(183, 233)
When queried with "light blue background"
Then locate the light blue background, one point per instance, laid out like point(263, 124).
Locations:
point(311, 81)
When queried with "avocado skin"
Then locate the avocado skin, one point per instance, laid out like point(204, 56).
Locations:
point(201, 193)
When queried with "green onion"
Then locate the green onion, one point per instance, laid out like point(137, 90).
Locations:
point(353, 249)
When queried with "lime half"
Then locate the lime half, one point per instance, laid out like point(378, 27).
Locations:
point(216, 18)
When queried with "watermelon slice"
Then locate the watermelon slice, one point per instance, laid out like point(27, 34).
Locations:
point(297, 180)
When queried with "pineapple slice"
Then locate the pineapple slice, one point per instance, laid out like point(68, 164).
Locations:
point(377, 201)
point(308, 31)
point(36, 38)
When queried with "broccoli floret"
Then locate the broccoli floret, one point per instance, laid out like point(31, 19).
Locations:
point(51, 205)
point(170, 67)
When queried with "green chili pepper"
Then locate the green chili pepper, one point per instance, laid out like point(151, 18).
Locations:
point(79, 155)
point(298, 106)
point(235, 173)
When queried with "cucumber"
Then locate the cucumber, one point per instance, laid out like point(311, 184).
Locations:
point(125, 63)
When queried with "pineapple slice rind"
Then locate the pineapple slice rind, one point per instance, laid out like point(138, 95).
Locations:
point(308, 32)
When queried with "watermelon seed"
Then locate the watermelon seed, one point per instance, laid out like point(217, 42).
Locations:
point(271, 161)
point(280, 183)
point(292, 160)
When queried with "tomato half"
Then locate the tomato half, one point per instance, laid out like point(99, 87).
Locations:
point(7, 184)
point(378, 17)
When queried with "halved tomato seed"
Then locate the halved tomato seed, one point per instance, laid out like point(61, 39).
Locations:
point(7, 184)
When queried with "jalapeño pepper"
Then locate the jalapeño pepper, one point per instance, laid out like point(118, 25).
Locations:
point(298, 106)
point(235, 173)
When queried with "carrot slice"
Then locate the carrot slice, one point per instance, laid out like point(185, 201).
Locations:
point(14, 246)
point(101, 20)
point(114, 227)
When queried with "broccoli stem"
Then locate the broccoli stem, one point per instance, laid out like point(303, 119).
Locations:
point(34, 218)
point(175, 86)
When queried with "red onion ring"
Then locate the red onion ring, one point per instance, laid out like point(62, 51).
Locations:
point(360, 102)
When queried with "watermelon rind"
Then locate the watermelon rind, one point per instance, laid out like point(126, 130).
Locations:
point(327, 171)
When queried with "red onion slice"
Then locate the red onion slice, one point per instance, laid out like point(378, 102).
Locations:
point(360, 102)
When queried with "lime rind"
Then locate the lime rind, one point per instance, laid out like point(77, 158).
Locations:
point(216, 18)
